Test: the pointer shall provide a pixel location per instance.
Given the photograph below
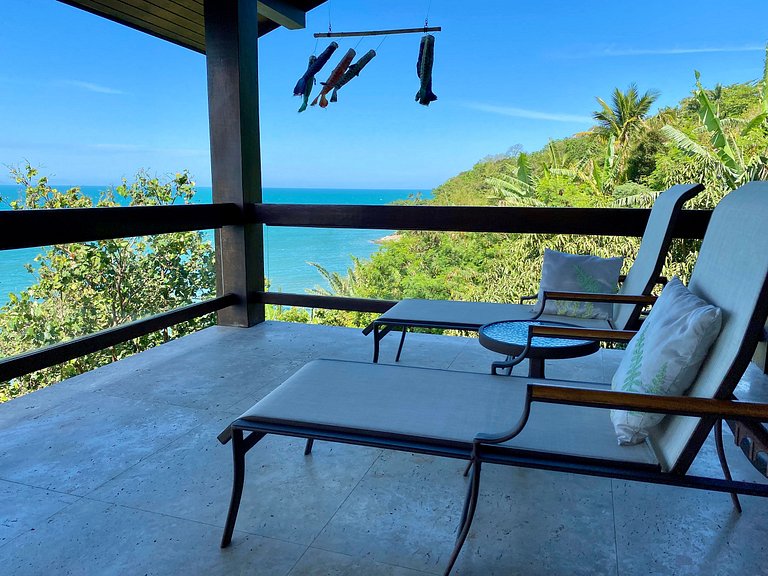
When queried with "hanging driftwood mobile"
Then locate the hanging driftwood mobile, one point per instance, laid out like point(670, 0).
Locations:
point(345, 70)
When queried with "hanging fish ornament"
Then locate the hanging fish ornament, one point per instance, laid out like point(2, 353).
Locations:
point(353, 71)
point(307, 81)
point(424, 70)
point(315, 65)
point(335, 76)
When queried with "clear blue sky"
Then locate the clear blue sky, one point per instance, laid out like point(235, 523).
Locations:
point(90, 101)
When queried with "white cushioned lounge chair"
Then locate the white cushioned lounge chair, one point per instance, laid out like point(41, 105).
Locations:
point(462, 315)
point(543, 424)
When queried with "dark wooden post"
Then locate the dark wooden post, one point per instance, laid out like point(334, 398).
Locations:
point(231, 39)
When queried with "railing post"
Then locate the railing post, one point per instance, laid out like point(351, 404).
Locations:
point(231, 39)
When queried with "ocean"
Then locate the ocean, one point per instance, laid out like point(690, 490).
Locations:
point(287, 251)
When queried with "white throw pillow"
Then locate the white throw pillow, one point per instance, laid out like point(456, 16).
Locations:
point(563, 272)
point(664, 357)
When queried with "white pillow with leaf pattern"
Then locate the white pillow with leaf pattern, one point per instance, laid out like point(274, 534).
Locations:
point(664, 357)
point(564, 272)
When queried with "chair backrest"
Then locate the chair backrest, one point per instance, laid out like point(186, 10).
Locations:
point(731, 272)
point(653, 251)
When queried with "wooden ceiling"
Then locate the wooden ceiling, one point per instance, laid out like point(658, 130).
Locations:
point(182, 22)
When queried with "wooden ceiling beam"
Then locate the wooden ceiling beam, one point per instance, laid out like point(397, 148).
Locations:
point(282, 13)
point(182, 21)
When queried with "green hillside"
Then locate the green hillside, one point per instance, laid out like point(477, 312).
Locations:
point(717, 136)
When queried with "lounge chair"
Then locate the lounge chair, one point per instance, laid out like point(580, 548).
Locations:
point(461, 315)
point(550, 425)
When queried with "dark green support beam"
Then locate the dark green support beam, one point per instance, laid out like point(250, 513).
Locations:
point(231, 38)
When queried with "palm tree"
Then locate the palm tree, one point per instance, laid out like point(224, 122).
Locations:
point(626, 114)
point(340, 285)
point(601, 178)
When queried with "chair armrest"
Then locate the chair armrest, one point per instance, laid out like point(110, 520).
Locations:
point(225, 435)
point(577, 333)
point(599, 297)
point(528, 297)
point(609, 399)
point(681, 405)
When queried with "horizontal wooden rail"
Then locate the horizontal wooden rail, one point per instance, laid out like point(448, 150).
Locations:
point(28, 228)
point(330, 302)
point(50, 356)
point(582, 221)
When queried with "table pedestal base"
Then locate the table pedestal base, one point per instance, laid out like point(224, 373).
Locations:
point(535, 366)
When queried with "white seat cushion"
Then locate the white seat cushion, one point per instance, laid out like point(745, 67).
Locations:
point(664, 356)
point(577, 273)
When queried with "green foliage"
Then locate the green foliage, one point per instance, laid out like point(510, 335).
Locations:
point(626, 113)
point(471, 188)
point(641, 161)
point(728, 145)
point(79, 289)
point(340, 285)
point(718, 137)
point(519, 189)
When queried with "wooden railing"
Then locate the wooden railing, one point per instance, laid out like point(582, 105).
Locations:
point(30, 228)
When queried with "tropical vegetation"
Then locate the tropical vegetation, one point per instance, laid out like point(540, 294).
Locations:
point(84, 288)
point(717, 136)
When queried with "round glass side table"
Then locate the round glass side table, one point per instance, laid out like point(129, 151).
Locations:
point(510, 337)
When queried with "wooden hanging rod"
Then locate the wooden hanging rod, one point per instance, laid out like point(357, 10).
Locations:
point(376, 32)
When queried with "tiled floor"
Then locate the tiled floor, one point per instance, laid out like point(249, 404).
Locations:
point(119, 472)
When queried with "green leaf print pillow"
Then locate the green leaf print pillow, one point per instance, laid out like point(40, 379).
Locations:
point(664, 357)
point(575, 273)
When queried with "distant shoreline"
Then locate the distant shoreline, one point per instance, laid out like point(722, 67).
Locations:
point(287, 249)
point(389, 238)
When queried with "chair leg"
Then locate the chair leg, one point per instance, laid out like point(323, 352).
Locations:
point(465, 509)
point(468, 514)
point(238, 459)
point(376, 338)
point(308, 447)
point(724, 462)
point(402, 341)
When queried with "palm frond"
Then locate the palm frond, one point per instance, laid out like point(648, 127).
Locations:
point(687, 144)
point(710, 119)
point(640, 200)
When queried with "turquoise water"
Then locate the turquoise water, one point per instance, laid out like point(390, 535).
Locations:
point(286, 250)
